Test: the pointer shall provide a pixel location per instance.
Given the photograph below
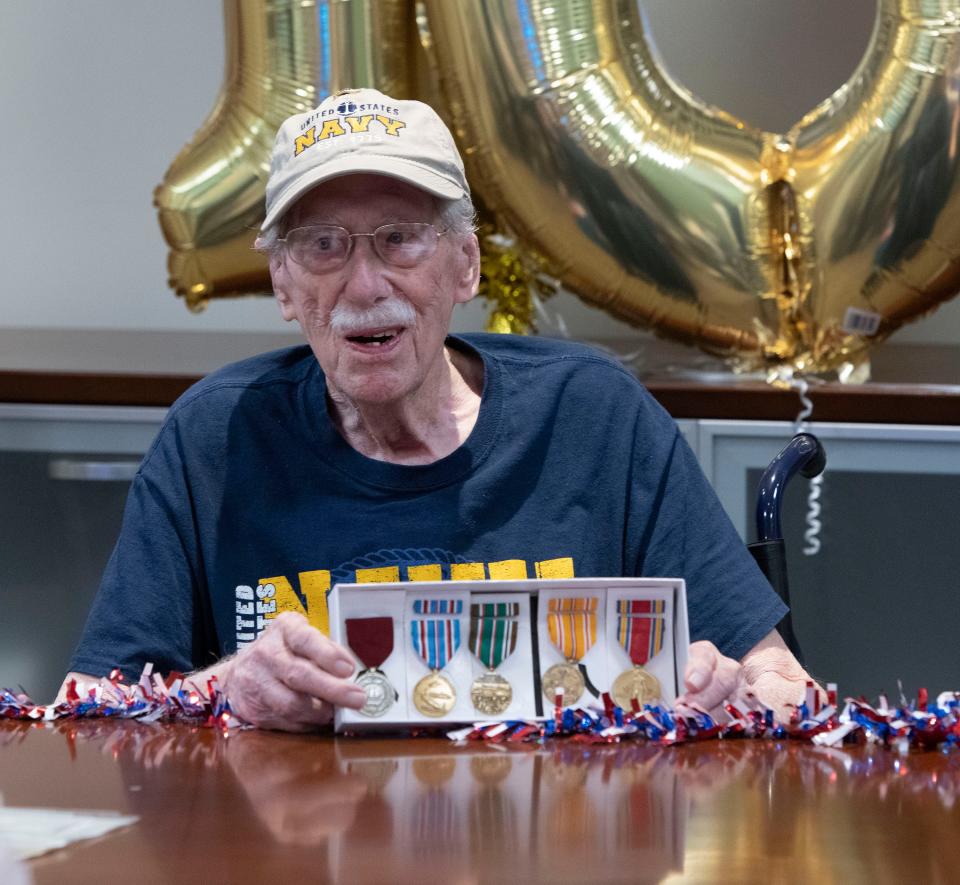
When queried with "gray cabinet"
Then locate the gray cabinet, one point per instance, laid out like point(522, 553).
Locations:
point(880, 602)
point(64, 474)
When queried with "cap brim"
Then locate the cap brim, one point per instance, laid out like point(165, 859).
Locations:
point(392, 167)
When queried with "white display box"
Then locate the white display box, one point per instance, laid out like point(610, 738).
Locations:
point(533, 655)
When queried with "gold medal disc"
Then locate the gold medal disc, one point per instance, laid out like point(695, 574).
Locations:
point(565, 676)
point(434, 695)
point(635, 683)
point(491, 693)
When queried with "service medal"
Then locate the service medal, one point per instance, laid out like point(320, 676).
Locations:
point(380, 693)
point(371, 640)
point(635, 684)
point(572, 625)
point(434, 695)
point(436, 640)
point(566, 676)
point(491, 694)
point(493, 638)
point(641, 628)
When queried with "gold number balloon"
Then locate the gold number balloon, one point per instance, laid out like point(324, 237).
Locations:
point(282, 57)
point(676, 215)
point(791, 251)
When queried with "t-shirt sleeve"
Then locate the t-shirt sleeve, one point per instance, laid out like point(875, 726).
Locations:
point(730, 601)
point(145, 608)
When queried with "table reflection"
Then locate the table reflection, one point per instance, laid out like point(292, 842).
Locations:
point(415, 810)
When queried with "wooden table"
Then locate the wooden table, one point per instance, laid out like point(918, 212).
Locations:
point(267, 807)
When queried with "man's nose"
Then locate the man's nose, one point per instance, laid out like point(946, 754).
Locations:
point(365, 273)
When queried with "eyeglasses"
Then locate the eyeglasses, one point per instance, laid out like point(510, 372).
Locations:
point(322, 248)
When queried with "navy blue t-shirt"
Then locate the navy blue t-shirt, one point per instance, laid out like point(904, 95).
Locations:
point(249, 502)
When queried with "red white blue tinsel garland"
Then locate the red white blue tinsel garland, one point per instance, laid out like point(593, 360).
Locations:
point(151, 699)
point(917, 725)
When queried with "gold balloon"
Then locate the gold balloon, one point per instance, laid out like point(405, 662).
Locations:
point(672, 214)
point(282, 58)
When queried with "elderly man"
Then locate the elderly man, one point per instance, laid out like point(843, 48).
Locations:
point(388, 450)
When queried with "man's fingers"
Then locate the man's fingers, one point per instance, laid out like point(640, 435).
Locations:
point(279, 707)
point(288, 679)
point(710, 678)
point(316, 665)
point(307, 642)
point(306, 678)
point(724, 685)
point(702, 659)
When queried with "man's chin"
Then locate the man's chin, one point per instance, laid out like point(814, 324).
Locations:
point(375, 388)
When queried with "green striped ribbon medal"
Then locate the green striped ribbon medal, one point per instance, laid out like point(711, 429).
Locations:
point(493, 638)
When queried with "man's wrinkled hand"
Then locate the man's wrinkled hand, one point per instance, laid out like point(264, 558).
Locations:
point(711, 678)
point(291, 677)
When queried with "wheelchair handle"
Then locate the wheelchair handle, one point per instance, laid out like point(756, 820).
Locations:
point(804, 453)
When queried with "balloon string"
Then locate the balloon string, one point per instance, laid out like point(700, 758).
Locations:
point(811, 535)
point(549, 320)
point(802, 386)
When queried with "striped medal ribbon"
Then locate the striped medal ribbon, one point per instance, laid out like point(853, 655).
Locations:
point(493, 638)
point(641, 628)
point(493, 631)
point(572, 625)
point(436, 640)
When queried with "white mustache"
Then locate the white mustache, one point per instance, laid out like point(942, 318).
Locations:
point(387, 314)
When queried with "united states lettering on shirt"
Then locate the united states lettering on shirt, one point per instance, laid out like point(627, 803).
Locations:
point(257, 605)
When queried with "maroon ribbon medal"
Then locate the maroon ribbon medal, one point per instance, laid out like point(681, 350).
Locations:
point(371, 640)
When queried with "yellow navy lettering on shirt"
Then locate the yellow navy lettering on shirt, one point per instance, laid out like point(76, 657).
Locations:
point(257, 606)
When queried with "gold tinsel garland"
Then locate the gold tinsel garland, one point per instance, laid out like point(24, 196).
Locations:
point(510, 277)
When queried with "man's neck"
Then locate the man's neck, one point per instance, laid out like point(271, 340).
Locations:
point(426, 426)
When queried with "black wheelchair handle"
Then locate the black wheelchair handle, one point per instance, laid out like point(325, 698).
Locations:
point(804, 453)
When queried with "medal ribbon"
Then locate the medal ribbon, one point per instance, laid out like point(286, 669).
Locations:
point(493, 631)
point(572, 624)
point(436, 640)
point(371, 639)
point(640, 628)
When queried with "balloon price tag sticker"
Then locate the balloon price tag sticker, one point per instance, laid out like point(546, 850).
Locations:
point(860, 322)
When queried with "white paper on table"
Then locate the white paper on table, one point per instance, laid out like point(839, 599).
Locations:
point(30, 832)
point(13, 871)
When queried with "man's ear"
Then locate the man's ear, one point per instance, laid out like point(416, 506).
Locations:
point(280, 280)
point(469, 280)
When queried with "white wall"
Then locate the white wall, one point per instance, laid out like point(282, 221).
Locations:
point(98, 96)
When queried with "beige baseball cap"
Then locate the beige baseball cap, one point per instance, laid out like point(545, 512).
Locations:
point(362, 130)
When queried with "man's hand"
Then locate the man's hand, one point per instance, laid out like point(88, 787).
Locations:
point(711, 678)
point(768, 672)
point(290, 678)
